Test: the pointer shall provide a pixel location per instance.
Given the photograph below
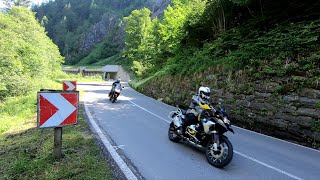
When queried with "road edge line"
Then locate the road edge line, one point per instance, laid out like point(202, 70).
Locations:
point(267, 165)
point(149, 111)
point(116, 157)
point(316, 150)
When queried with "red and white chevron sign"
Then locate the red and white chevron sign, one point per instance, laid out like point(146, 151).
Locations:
point(57, 108)
point(69, 85)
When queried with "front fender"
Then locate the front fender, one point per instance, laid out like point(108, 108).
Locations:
point(219, 121)
point(230, 129)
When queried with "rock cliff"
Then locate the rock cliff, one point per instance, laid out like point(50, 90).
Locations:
point(111, 25)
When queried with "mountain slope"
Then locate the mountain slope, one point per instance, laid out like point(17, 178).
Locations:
point(77, 26)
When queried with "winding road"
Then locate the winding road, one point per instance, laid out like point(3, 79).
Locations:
point(134, 129)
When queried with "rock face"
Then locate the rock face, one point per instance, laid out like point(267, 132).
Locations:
point(111, 26)
point(257, 106)
point(158, 6)
point(100, 30)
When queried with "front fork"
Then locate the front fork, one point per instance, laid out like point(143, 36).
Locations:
point(216, 141)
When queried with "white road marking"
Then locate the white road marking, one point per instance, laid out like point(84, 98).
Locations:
point(267, 165)
point(149, 111)
point(277, 139)
point(241, 154)
point(119, 147)
point(120, 162)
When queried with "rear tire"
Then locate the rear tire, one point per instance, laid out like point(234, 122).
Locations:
point(220, 158)
point(172, 134)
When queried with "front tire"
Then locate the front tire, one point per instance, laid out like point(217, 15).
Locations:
point(114, 99)
point(222, 157)
point(110, 96)
point(173, 134)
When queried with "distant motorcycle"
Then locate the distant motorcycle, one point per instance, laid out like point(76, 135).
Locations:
point(208, 133)
point(115, 93)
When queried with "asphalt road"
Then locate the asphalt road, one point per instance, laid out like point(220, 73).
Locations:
point(137, 126)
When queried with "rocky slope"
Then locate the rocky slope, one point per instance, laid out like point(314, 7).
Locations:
point(111, 25)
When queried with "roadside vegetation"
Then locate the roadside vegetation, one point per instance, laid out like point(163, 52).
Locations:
point(27, 152)
point(273, 39)
point(29, 61)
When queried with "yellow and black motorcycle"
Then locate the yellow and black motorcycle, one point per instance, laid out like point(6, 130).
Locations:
point(208, 132)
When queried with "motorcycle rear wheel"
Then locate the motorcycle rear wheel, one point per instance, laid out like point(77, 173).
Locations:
point(220, 158)
point(172, 134)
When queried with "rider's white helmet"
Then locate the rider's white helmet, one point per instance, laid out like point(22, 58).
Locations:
point(118, 80)
point(204, 94)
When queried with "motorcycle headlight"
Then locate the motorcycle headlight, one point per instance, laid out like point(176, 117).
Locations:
point(226, 120)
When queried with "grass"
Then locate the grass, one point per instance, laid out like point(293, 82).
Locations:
point(139, 82)
point(27, 152)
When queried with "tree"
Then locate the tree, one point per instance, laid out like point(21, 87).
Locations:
point(138, 29)
point(44, 21)
point(182, 14)
point(26, 53)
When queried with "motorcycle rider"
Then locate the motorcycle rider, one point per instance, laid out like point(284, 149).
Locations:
point(195, 109)
point(114, 85)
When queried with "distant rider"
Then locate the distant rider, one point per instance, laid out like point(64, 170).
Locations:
point(114, 85)
point(194, 108)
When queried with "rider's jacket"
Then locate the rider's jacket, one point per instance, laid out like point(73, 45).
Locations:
point(194, 106)
point(115, 85)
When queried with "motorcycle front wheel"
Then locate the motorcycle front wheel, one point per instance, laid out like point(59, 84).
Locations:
point(172, 133)
point(114, 98)
point(223, 156)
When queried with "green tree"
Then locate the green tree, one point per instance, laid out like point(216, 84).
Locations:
point(44, 21)
point(138, 30)
point(26, 53)
point(177, 18)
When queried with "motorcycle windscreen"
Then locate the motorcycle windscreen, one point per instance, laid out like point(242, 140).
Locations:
point(117, 88)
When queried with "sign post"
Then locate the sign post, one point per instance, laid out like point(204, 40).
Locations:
point(57, 149)
point(55, 110)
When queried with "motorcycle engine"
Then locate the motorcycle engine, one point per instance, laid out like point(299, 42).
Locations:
point(192, 130)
